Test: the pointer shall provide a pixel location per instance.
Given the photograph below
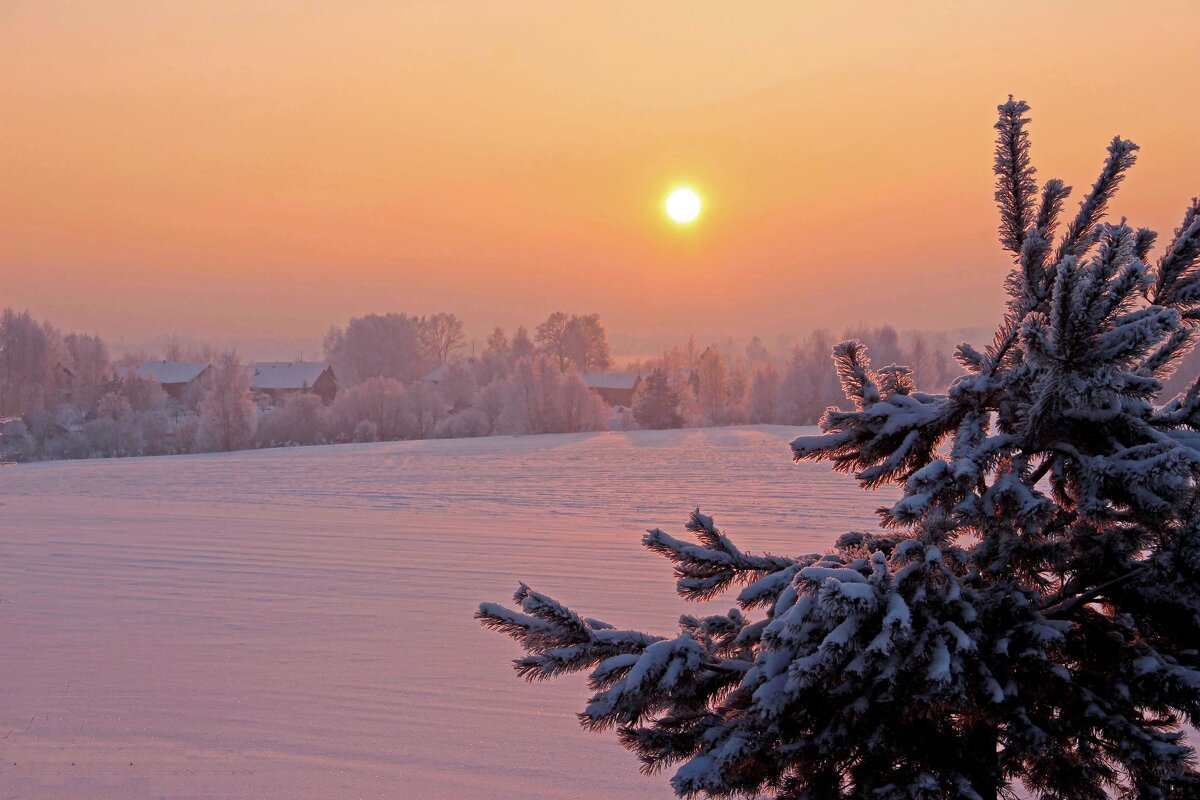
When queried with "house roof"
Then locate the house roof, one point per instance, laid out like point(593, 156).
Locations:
point(611, 380)
point(439, 373)
point(170, 372)
point(287, 374)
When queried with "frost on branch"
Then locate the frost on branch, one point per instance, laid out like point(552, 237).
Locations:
point(1025, 617)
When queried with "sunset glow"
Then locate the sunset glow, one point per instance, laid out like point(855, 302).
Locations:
point(683, 205)
point(438, 163)
point(359, 358)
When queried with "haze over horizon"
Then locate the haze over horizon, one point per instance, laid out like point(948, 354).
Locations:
point(225, 170)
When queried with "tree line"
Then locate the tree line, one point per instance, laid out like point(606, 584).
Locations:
point(404, 376)
point(64, 396)
point(688, 386)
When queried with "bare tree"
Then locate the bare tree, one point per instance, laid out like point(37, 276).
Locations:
point(571, 338)
point(587, 343)
point(497, 342)
point(29, 353)
point(90, 367)
point(552, 338)
point(442, 336)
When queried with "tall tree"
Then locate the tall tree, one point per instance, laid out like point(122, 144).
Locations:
point(552, 338)
point(29, 363)
point(90, 367)
point(378, 346)
point(712, 386)
point(1028, 610)
point(497, 342)
point(227, 413)
point(574, 339)
point(587, 343)
point(522, 345)
point(442, 336)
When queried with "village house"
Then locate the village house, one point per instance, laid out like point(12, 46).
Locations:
point(616, 388)
point(435, 377)
point(175, 377)
point(278, 380)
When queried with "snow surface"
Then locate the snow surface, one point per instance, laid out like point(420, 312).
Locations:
point(297, 623)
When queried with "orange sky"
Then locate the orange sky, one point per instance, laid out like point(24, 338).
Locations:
point(265, 170)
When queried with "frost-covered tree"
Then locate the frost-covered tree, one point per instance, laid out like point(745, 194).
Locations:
point(587, 343)
point(712, 387)
point(379, 346)
point(1028, 612)
point(574, 339)
point(491, 402)
point(90, 367)
point(552, 338)
point(442, 336)
point(763, 395)
point(522, 345)
point(227, 414)
point(297, 422)
point(29, 353)
point(144, 394)
point(378, 401)
point(464, 424)
point(497, 342)
point(657, 404)
point(423, 407)
point(458, 386)
point(540, 398)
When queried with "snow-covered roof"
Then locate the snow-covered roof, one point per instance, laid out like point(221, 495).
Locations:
point(611, 380)
point(439, 373)
point(287, 374)
point(170, 372)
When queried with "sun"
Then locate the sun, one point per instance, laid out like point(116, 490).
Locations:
point(683, 205)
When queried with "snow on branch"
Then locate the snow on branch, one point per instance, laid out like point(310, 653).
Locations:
point(557, 639)
point(706, 569)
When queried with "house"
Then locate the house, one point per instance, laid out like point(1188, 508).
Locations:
point(436, 376)
point(175, 377)
point(280, 379)
point(617, 388)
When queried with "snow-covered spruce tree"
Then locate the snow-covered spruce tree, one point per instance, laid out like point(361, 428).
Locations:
point(1027, 613)
point(657, 406)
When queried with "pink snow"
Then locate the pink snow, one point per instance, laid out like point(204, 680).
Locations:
point(297, 623)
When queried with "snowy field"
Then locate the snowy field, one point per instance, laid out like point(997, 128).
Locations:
point(297, 623)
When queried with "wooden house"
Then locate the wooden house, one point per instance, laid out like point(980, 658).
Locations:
point(280, 379)
point(617, 388)
point(175, 377)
